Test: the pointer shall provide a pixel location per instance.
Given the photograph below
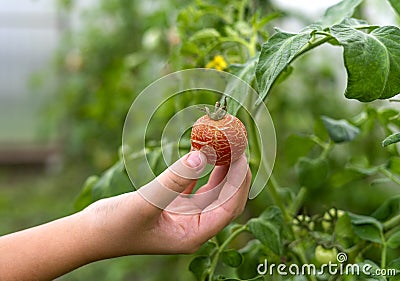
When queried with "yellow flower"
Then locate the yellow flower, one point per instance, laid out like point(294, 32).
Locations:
point(218, 63)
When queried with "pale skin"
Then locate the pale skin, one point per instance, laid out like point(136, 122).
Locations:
point(127, 225)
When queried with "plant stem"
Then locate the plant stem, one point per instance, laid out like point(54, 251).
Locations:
point(389, 175)
point(236, 40)
point(242, 6)
point(318, 141)
point(312, 45)
point(221, 248)
point(302, 257)
point(298, 200)
point(273, 188)
point(328, 148)
point(393, 222)
point(232, 236)
point(253, 43)
point(392, 231)
point(383, 255)
point(356, 250)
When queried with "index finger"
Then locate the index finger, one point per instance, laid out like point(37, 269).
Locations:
point(220, 215)
point(236, 176)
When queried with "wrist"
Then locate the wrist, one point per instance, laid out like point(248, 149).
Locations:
point(94, 228)
point(87, 237)
point(107, 227)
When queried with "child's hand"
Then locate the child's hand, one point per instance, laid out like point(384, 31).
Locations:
point(129, 224)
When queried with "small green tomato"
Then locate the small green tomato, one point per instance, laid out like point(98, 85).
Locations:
point(324, 256)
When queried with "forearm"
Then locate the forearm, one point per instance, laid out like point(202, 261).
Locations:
point(47, 251)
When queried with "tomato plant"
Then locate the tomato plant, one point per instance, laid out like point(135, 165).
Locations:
point(334, 188)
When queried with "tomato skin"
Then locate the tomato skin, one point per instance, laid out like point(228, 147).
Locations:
point(324, 256)
point(222, 141)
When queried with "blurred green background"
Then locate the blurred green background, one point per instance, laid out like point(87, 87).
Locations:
point(71, 69)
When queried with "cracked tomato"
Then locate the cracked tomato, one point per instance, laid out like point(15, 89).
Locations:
point(220, 136)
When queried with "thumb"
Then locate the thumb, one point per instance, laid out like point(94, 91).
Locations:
point(168, 185)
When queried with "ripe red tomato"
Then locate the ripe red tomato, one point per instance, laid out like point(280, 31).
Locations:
point(222, 140)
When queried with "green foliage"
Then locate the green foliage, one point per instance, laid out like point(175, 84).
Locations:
point(371, 60)
point(394, 240)
point(370, 57)
point(232, 258)
point(394, 138)
point(199, 266)
point(396, 5)
point(388, 209)
point(267, 233)
point(340, 130)
point(312, 172)
point(119, 48)
point(328, 191)
point(367, 228)
point(276, 55)
point(340, 11)
point(85, 196)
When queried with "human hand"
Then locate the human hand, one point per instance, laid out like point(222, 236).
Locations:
point(176, 223)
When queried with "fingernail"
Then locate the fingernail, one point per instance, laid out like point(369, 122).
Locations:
point(194, 159)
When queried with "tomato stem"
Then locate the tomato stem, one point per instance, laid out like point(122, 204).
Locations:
point(214, 262)
point(219, 110)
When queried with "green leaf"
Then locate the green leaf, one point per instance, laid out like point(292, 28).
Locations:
point(345, 176)
point(273, 215)
point(259, 23)
point(297, 146)
point(388, 209)
point(340, 130)
point(199, 266)
point(394, 138)
point(236, 89)
point(245, 71)
point(360, 219)
point(207, 249)
point(276, 55)
point(344, 232)
point(372, 269)
point(312, 173)
point(232, 258)
point(230, 32)
point(395, 5)
point(389, 36)
point(363, 168)
point(226, 232)
point(85, 198)
point(251, 256)
point(367, 228)
point(205, 33)
point(388, 115)
point(267, 233)
point(395, 264)
point(244, 28)
point(113, 182)
point(394, 240)
point(189, 48)
point(371, 61)
point(337, 13)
